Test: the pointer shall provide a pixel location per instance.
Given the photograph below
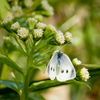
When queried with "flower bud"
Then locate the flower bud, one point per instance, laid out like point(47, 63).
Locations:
point(76, 62)
point(50, 30)
point(7, 22)
point(45, 4)
point(68, 37)
point(83, 74)
point(38, 33)
point(17, 11)
point(28, 3)
point(40, 25)
point(15, 26)
point(23, 33)
point(6, 41)
point(31, 23)
point(48, 9)
point(50, 12)
point(39, 18)
point(60, 38)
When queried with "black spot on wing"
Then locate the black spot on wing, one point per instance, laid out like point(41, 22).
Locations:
point(62, 71)
point(66, 71)
point(53, 69)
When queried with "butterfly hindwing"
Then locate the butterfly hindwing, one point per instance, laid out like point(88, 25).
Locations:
point(67, 70)
point(51, 68)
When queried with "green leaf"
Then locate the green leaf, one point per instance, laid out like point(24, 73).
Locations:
point(11, 85)
point(10, 63)
point(49, 83)
point(35, 96)
point(94, 72)
point(81, 83)
point(4, 6)
point(42, 67)
point(2, 51)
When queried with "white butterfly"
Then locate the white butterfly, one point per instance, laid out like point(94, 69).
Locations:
point(60, 66)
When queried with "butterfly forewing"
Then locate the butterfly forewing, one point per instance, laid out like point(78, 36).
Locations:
point(67, 70)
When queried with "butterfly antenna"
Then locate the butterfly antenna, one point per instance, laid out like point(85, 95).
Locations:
point(56, 43)
point(63, 46)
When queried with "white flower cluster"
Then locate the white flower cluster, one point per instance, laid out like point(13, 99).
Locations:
point(39, 17)
point(15, 26)
point(84, 74)
point(47, 7)
point(76, 61)
point(52, 28)
point(6, 20)
point(23, 32)
point(28, 3)
point(50, 11)
point(68, 37)
point(32, 20)
point(60, 37)
point(41, 25)
point(17, 11)
point(37, 33)
point(45, 4)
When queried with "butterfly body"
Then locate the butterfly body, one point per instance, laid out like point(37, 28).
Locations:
point(60, 67)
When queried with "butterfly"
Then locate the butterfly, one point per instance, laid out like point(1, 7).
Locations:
point(60, 67)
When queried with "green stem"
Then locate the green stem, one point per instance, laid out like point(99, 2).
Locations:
point(91, 65)
point(25, 90)
point(27, 75)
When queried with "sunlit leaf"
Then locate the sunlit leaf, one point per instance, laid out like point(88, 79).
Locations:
point(49, 83)
point(91, 65)
point(10, 63)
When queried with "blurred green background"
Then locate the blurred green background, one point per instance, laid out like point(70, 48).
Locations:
point(82, 19)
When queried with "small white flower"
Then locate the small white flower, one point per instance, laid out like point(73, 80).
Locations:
point(39, 18)
point(68, 37)
point(37, 33)
point(28, 3)
point(52, 28)
point(41, 25)
point(15, 26)
point(6, 40)
point(47, 7)
point(51, 11)
point(32, 20)
point(23, 32)
point(45, 4)
point(84, 74)
point(76, 62)
point(17, 11)
point(6, 21)
point(60, 37)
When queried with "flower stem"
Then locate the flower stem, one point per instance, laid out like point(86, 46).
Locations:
point(26, 81)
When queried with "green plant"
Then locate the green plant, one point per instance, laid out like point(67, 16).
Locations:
point(35, 41)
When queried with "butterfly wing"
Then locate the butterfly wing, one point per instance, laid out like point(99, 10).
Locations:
point(51, 68)
point(67, 70)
